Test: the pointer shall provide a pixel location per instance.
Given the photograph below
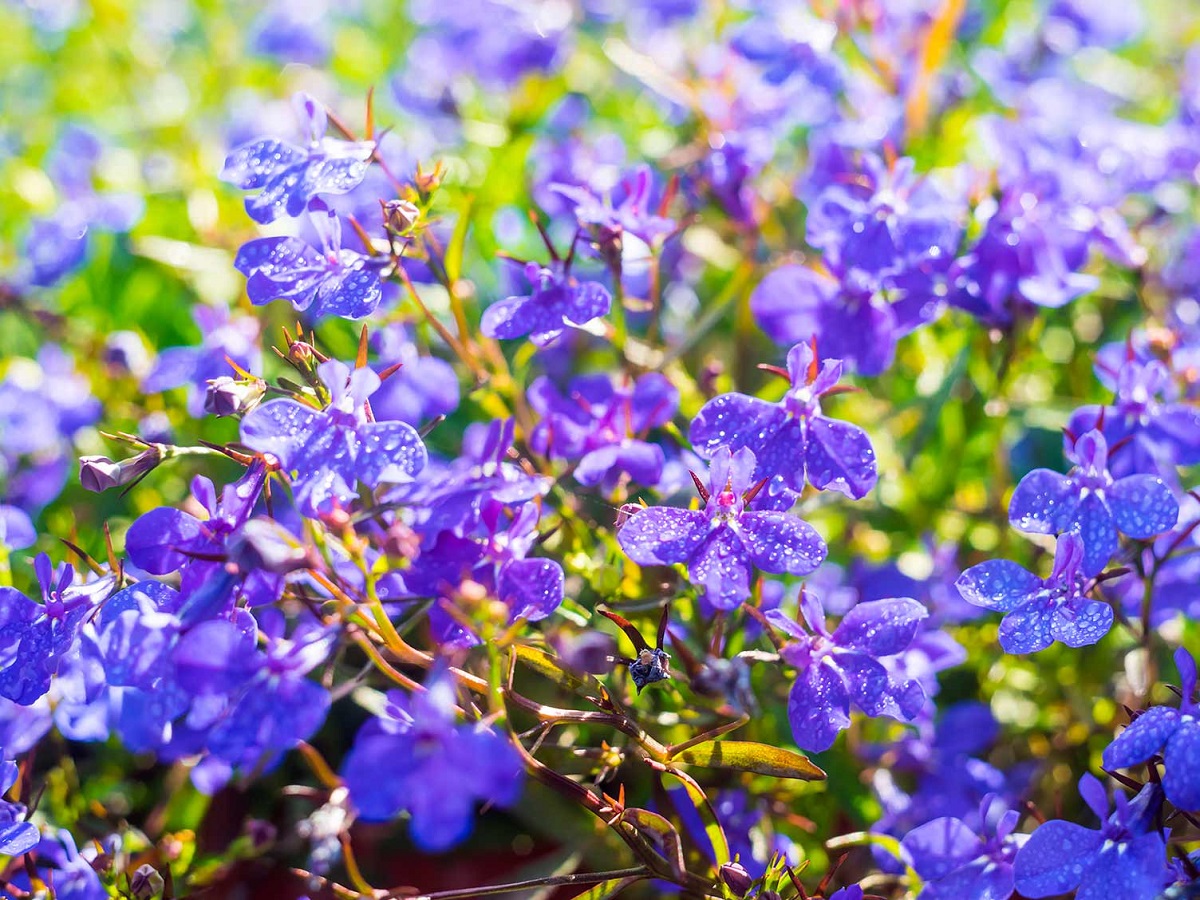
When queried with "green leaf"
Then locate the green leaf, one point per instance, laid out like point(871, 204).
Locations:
point(749, 756)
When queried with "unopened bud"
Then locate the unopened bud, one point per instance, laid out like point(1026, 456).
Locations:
point(99, 473)
point(227, 396)
point(146, 883)
point(400, 215)
point(736, 878)
point(301, 352)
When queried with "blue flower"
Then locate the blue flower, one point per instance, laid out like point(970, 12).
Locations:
point(16, 835)
point(415, 758)
point(558, 301)
point(1090, 501)
point(721, 543)
point(34, 638)
point(328, 282)
point(1124, 858)
point(1156, 431)
point(792, 439)
point(834, 669)
point(956, 863)
point(286, 176)
point(1039, 611)
point(603, 426)
point(1173, 734)
point(326, 452)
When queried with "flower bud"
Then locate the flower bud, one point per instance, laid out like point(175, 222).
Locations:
point(736, 878)
point(227, 396)
point(99, 473)
point(400, 215)
point(146, 883)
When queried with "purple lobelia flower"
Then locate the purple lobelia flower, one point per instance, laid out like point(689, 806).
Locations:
point(59, 862)
point(16, 835)
point(168, 540)
point(834, 669)
point(452, 496)
point(722, 542)
point(424, 387)
point(416, 758)
point(884, 220)
point(16, 528)
point(287, 177)
point(496, 556)
point(36, 637)
point(1090, 501)
point(58, 243)
point(1124, 858)
point(792, 439)
point(326, 282)
point(557, 302)
point(957, 863)
point(603, 426)
point(268, 702)
point(1155, 431)
point(223, 337)
point(631, 208)
point(327, 451)
point(1173, 734)
point(1039, 611)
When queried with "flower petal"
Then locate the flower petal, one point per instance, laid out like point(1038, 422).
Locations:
point(1145, 736)
point(998, 584)
point(839, 457)
point(1081, 623)
point(782, 544)
point(1027, 630)
point(1181, 782)
point(818, 708)
point(1054, 858)
point(939, 847)
point(880, 627)
point(532, 588)
point(662, 535)
point(1143, 506)
point(1043, 503)
point(1131, 870)
point(722, 567)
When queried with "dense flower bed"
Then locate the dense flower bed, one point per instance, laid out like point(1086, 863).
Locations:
point(583, 448)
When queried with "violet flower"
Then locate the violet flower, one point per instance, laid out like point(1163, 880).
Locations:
point(557, 302)
point(1123, 858)
point(329, 282)
point(958, 863)
point(1039, 611)
point(834, 669)
point(287, 177)
point(1172, 734)
point(326, 452)
point(1088, 500)
point(792, 439)
point(1158, 432)
point(721, 543)
point(416, 759)
point(35, 637)
point(603, 426)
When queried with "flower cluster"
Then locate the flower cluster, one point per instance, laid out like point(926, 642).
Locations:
point(368, 473)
